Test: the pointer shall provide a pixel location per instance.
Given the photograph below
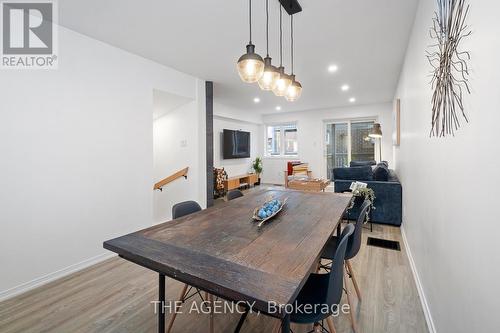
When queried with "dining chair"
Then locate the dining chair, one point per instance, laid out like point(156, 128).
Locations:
point(234, 194)
point(323, 289)
point(353, 246)
point(185, 208)
point(179, 210)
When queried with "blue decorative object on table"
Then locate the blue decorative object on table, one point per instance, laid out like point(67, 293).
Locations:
point(268, 210)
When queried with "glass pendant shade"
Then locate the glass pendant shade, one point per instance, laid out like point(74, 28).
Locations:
point(282, 83)
point(294, 90)
point(270, 76)
point(250, 65)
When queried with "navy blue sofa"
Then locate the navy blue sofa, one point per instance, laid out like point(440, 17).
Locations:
point(385, 184)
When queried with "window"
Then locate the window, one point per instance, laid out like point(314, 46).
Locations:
point(362, 146)
point(348, 141)
point(281, 140)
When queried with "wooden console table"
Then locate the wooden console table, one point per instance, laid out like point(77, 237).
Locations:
point(235, 182)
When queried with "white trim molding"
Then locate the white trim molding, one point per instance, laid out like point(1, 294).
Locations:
point(22, 288)
point(418, 283)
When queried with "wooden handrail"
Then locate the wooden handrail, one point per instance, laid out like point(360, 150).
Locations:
point(171, 178)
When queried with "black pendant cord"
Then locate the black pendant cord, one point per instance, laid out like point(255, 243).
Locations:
point(250, 18)
point(267, 27)
point(291, 39)
point(281, 39)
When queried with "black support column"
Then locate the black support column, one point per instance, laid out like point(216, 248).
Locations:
point(209, 96)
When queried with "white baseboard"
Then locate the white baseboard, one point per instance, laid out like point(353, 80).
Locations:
point(420, 289)
point(22, 288)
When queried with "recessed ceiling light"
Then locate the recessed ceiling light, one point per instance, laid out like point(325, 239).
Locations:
point(344, 87)
point(256, 100)
point(352, 99)
point(278, 108)
point(333, 68)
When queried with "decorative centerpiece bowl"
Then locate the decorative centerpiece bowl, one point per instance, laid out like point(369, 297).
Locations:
point(268, 210)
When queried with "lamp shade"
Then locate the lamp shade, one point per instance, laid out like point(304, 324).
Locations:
point(270, 76)
point(294, 90)
point(282, 83)
point(376, 131)
point(250, 65)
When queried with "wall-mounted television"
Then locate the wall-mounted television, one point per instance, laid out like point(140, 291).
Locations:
point(236, 144)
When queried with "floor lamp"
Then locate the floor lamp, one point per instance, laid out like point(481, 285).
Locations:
point(376, 133)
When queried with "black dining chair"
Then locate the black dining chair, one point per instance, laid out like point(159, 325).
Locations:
point(234, 194)
point(179, 210)
point(323, 289)
point(185, 208)
point(353, 247)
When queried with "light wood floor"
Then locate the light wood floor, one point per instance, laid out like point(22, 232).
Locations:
point(115, 296)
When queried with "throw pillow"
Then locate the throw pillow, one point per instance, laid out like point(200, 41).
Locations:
point(381, 173)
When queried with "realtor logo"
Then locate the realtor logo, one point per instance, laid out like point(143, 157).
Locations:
point(28, 34)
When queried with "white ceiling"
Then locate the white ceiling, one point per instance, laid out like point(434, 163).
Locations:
point(367, 40)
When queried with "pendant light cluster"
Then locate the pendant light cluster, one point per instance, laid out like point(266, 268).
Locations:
point(252, 68)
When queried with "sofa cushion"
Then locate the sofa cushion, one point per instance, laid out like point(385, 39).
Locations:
point(361, 163)
point(381, 173)
point(356, 173)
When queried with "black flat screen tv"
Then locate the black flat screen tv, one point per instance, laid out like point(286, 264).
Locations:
point(236, 144)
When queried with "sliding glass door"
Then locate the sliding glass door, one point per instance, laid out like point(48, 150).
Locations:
point(337, 145)
point(362, 146)
point(348, 141)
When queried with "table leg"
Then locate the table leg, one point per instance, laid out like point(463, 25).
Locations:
point(161, 298)
point(285, 324)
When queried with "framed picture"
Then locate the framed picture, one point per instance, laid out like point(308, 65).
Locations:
point(396, 133)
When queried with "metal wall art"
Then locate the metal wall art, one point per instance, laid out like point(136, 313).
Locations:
point(450, 69)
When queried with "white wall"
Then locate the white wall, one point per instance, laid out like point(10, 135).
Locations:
point(235, 119)
point(224, 111)
point(235, 166)
point(176, 141)
point(450, 199)
point(310, 127)
point(77, 157)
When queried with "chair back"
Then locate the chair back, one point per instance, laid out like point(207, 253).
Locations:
point(336, 280)
point(355, 240)
point(185, 208)
point(234, 194)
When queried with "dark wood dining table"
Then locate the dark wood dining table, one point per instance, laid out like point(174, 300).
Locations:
point(222, 251)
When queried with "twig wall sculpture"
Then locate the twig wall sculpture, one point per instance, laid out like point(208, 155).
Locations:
point(450, 70)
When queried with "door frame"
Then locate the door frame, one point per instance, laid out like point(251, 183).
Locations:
point(347, 121)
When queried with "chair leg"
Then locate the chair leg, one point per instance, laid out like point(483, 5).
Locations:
point(209, 298)
point(331, 327)
point(351, 308)
point(181, 298)
point(353, 278)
